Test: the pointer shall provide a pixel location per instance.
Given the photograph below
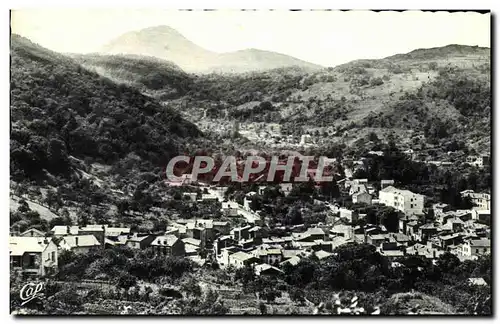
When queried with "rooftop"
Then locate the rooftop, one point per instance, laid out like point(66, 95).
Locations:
point(165, 240)
point(19, 245)
point(80, 241)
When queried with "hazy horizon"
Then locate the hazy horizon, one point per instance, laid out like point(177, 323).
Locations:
point(327, 38)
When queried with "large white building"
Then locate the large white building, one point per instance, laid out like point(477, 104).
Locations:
point(404, 200)
point(481, 201)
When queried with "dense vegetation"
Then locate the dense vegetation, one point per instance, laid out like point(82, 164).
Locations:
point(437, 183)
point(60, 109)
point(127, 277)
point(449, 107)
point(145, 73)
point(358, 267)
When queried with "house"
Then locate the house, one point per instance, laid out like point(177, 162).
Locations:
point(474, 248)
point(481, 201)
point(400, 238)
point(452, 225)
point(294, 260)
point(378, 153)
point(449, 240)
point(305, 139)
point(341, 230)
point(241, 259)
point(79, 243)
point(113, 232)
point(191, 250)
point(200, 229)
point(359, 181)
point(221, 243)
point(475, 229)
point(410, 154)
point(392, 254)
point(412, 229)
point(247, 200)
point(477, 281)
point(440, 209)
point(286, 188)
point(357, 188)
point(221, 227)
point(339, 240)
point(465, 214)
point(138, 241)
point(386, 183)
point(33, 255)
point(268, 254)
point(230, 208)
point(322, 254)
point(350, 215)
point(32, 232)
point(168, 245)
point(257, 232)
point(426, 250)
point(426, 231)
point(483, 216)
point(404, 200)
point(479, 161)
point(97, 230)
point(375, 239)
point(191, 196)
point(310, 235)
point(362, 197)
point(241, 233)
point(266, 270)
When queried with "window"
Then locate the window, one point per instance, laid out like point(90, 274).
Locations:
point(32, 261)
point(477, 250)
point(53, 256)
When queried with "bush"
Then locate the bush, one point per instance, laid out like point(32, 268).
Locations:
point(376, 82)
point(126, 281)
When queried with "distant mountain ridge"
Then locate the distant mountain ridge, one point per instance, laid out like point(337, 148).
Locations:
point(166, 43)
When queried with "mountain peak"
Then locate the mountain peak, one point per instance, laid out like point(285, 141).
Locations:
point(166, 43)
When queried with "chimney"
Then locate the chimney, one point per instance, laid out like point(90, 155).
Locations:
point(76, 240)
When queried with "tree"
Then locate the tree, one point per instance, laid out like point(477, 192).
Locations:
point(448, 263)
point(23, 206)
point(263, 308)
point(296, 295)
point(126, 281)
point(270, 294)
point(191, 288)
point(57, 156)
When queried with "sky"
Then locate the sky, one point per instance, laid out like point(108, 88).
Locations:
point(327, 38)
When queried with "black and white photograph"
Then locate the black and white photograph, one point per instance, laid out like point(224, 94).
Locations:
point(223, 162)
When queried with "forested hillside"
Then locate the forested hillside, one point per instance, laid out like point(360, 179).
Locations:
point(433, 96)
point(60, 109)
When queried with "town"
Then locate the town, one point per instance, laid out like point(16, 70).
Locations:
point(335, 163)
point(243, 236)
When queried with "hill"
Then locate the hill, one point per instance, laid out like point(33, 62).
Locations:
point(416, 303)
point(166, 43)
point(437, 97)
point(150, 75)
point(411, 95)
point(60, 109)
